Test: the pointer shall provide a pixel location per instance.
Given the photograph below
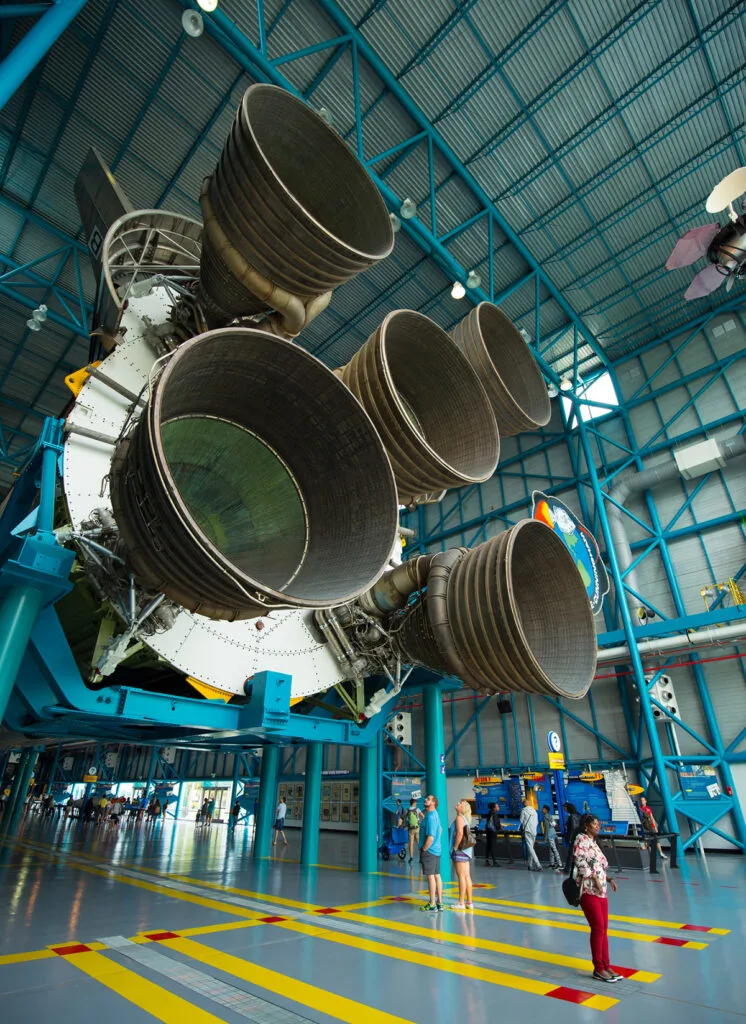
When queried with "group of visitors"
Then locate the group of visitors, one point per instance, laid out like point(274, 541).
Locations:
point(206, 812)
point(587, 863)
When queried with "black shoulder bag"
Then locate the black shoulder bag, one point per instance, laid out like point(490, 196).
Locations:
point(570, 887)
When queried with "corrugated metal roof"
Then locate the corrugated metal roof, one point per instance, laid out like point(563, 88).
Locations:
point(597, 130)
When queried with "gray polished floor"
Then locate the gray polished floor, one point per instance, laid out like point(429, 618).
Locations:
point(171, 923)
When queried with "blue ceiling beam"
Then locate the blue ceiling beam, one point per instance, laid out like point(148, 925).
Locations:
point(223, 28)
point(37, 42)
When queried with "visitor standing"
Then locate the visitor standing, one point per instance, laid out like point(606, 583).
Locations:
point(430, 853)
point(529, 824)
point(413, 818)
point(649, 825)
point(280, 813)
point(492, 828)
point(572, 824)
point(462, 852)
point(589, 867)
point(550, 834)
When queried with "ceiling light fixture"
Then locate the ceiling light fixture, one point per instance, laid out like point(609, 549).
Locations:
point(408, 209)
point(566, 384)
point(395, 222)
point(473, 280)
point(207, 5)
point(552, 390)
point(458, 291)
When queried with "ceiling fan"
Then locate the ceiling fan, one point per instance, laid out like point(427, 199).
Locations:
point(725, 247)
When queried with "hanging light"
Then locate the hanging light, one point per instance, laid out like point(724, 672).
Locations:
point(552, 390)
point(458, 291)
point(473, 280)
point(395, 222)
point(326, 114)
point(566, 383)
point(207, 5)
point(408, 209)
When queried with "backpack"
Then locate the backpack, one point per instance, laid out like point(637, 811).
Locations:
point(412, 820)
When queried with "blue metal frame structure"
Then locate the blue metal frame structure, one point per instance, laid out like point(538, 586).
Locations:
point(598, 455)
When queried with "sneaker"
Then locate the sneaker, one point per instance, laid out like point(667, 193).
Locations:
point(440, 908)
point(664, 856)
point(458, 906)
point(469, 906)
point(558, 871)
point(611, 980)
point(429, 907)
point(619, 977)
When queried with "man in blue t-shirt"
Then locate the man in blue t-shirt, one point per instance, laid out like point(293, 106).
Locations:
point(430, 854)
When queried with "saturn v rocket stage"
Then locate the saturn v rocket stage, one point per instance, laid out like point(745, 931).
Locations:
point(234, 502)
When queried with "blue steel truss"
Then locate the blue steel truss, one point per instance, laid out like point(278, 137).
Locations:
point(594, 472)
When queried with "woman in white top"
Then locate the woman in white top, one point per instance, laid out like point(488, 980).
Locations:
point(462, 857)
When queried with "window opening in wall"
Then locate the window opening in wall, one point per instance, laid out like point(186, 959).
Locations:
point(599, 390)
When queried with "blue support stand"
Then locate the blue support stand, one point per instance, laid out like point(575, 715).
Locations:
point(367, 837)
point(309, 848)
point(20, 789)
point(435, 764)
point(267, 791)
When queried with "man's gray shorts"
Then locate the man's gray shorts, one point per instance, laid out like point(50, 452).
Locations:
point(430, 863)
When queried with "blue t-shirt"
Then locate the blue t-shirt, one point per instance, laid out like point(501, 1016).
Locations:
point(435, 829)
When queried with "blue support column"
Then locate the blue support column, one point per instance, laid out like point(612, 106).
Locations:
point(646, 710)
point(20, 789)
point(37, 42)
point(435, 763)
point(267, 792)
point(309, 847)
point(18, 613)
point(367, 837)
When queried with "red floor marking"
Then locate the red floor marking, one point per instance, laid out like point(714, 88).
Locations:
point(626, 972)
point(326, 910)
point(622, 878)
point(670, 942)
point(569, 995)
point(77, 947)
point(273, 920)
point(480, 885)
point(160, 936)
point(694, 928)
point(400, 899)
point(658, 881)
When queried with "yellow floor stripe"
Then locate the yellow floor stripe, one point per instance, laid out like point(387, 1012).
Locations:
point(579, 913)
point(544, 922)
point(458, 968)
point(466, 940)
point(300, 991)
point(21, 958)
point(152, 998)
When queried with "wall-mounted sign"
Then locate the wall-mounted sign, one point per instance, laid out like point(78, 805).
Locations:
point(554, 743)
point(635, 790)
point(590, 776)
point(556, 761)
point(579, 542)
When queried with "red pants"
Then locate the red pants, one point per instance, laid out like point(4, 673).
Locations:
point(596, 910)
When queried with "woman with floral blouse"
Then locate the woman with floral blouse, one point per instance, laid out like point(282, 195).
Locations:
point(590, 872)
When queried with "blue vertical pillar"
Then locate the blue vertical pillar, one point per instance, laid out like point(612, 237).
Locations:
point(23, 779)
point(18, 612)
point(15, 786)
point(435, 764)
point(368, 815)
point(309, 847)
point(267, 792)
